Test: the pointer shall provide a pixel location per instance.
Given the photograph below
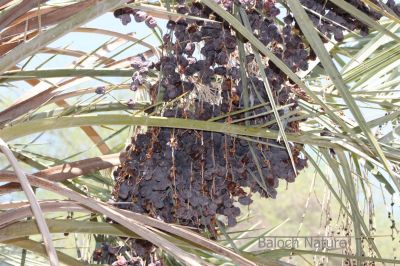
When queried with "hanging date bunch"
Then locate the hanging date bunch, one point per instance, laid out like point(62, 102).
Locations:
point(332, 21)
point(189, 177)
point(208, 71)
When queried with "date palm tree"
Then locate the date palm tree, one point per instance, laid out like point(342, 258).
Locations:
point(68, 112)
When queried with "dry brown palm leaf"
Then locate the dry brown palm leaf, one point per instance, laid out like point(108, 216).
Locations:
point(17, 11)
point(67, 171)
point(48, 16)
